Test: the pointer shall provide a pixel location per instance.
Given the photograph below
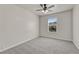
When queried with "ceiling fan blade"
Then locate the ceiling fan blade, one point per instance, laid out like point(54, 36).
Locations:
point(41, 5)
point(51, 6)
point(39, 10)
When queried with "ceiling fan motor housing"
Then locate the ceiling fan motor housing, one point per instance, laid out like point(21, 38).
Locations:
point(45, 8)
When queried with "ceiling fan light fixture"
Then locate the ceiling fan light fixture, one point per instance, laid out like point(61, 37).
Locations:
point(44, 11)
point(45, 8)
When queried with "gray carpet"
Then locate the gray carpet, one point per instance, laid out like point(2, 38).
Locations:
point(44, 45)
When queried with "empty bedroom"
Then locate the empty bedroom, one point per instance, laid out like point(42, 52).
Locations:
point(39, 29)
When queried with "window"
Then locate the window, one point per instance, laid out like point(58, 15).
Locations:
point(52, 21)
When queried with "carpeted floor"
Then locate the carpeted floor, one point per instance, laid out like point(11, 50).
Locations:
point(44, 45)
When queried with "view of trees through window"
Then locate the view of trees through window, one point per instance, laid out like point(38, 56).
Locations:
point(52, 21)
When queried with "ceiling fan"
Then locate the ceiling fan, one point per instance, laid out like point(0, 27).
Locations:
point(45, 9)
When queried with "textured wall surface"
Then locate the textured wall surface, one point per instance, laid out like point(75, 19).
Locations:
point(16, 25)
point(76, 25)
point(64, 26)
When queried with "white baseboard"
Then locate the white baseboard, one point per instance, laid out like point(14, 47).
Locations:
point(16, 44)
point(56, 38)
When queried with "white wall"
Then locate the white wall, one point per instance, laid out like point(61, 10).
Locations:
point(76, 25)
point(64, 26)
point(16, 25)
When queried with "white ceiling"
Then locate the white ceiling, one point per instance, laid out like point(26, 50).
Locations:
point(57, 8)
